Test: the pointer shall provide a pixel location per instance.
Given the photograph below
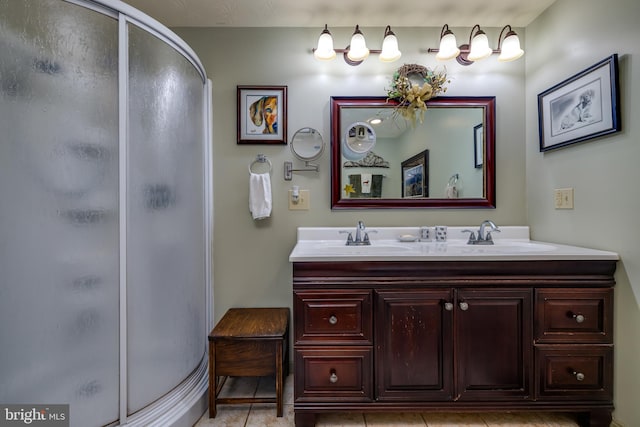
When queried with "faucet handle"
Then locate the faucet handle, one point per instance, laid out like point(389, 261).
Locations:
point(489, 238)
point(365, 238)
point(349, 236)
point(472, 235)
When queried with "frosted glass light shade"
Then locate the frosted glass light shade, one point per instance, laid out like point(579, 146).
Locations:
point(325, 51)
point(358, 50)
point(479, 47)
point(510, 48)
point(390, 51)
point(448, 47)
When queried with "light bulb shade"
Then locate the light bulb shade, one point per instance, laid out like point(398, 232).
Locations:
point(390, 51)
point(325, 50)
point(358, 50)
point(448, 47)
point(510, 48)
point(479, 47)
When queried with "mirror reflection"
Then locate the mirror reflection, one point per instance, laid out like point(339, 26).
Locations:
point(445, 161)
point(359, 139)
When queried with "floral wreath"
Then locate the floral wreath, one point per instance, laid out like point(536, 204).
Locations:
point(412, 97)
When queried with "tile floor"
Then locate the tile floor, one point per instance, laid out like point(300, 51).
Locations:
point(264, 415)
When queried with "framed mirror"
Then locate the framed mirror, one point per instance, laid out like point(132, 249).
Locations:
point(447, 160)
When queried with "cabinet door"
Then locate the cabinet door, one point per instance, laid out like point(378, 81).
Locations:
point(414, 358)
point(493, 330)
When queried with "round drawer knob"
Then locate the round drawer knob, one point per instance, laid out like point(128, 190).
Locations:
point(448, 306)
point(333, 320)
point(333, 378)
point(464, 306)
point(579, 318)
point(579, 376)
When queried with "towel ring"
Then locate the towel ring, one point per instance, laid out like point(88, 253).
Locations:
point(260, 159)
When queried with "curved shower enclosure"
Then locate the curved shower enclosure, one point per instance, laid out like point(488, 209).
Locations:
point(105, 214)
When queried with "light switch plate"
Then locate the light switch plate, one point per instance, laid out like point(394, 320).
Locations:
point(303, 201)
point(563, 198)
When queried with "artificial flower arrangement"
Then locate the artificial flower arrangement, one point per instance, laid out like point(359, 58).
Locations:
point(412, 86)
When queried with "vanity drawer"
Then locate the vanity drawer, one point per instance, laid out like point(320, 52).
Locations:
point(332, 317)
point(333, 374)
point(574, 316)
point(575, 372)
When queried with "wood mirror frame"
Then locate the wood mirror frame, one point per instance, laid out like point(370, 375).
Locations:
point(339, 202)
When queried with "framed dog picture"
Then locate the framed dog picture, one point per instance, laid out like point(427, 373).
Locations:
point(580, 108)
point(415, 176)
point(262, 114)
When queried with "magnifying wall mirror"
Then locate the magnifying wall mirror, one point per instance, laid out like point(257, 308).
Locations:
point(445, 161)
point(306, 145)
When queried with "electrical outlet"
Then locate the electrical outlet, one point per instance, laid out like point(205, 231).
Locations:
point(303, 201)
point(563, 198)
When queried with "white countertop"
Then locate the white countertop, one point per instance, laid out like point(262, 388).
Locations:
point(327, 244)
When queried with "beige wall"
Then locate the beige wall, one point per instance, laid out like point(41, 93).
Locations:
point(251, 265)
point(604, 172)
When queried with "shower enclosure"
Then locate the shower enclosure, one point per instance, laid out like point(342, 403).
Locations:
point(105, 214)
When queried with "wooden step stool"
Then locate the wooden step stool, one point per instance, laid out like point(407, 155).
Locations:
point(249, 342)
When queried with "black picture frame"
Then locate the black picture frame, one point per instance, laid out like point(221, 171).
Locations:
point(478, 144)
point(256, 106)
point(415, 176)
point(582, 107)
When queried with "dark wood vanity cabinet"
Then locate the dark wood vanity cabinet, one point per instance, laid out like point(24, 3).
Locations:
point(418, 358)
point(454, 336)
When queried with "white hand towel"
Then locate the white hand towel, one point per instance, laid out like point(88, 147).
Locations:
point(365, 183)
point(260, 195)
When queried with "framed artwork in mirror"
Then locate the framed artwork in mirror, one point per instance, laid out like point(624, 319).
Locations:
point(582, 107)
point(262, 114)
point(415, 175)
point(478, 144)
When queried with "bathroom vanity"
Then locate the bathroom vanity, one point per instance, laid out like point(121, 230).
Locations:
point(430, 326)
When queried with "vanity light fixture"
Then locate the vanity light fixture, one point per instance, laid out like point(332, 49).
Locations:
point(510, 46)
point(390, 51)
point(478, 46)
point(356, 52)
point(325, 51)
point(448, 45)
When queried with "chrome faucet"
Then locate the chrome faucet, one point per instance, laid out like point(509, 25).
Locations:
point(360, 230)
point(484, 237)
point(362, 237)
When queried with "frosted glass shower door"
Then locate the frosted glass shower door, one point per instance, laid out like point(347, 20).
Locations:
point(59, 224)
point(165, 219)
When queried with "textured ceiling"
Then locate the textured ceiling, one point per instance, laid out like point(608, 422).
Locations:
point(341, 13)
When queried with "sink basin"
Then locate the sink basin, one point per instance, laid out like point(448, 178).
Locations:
point(505, 247)
point(340, 248)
